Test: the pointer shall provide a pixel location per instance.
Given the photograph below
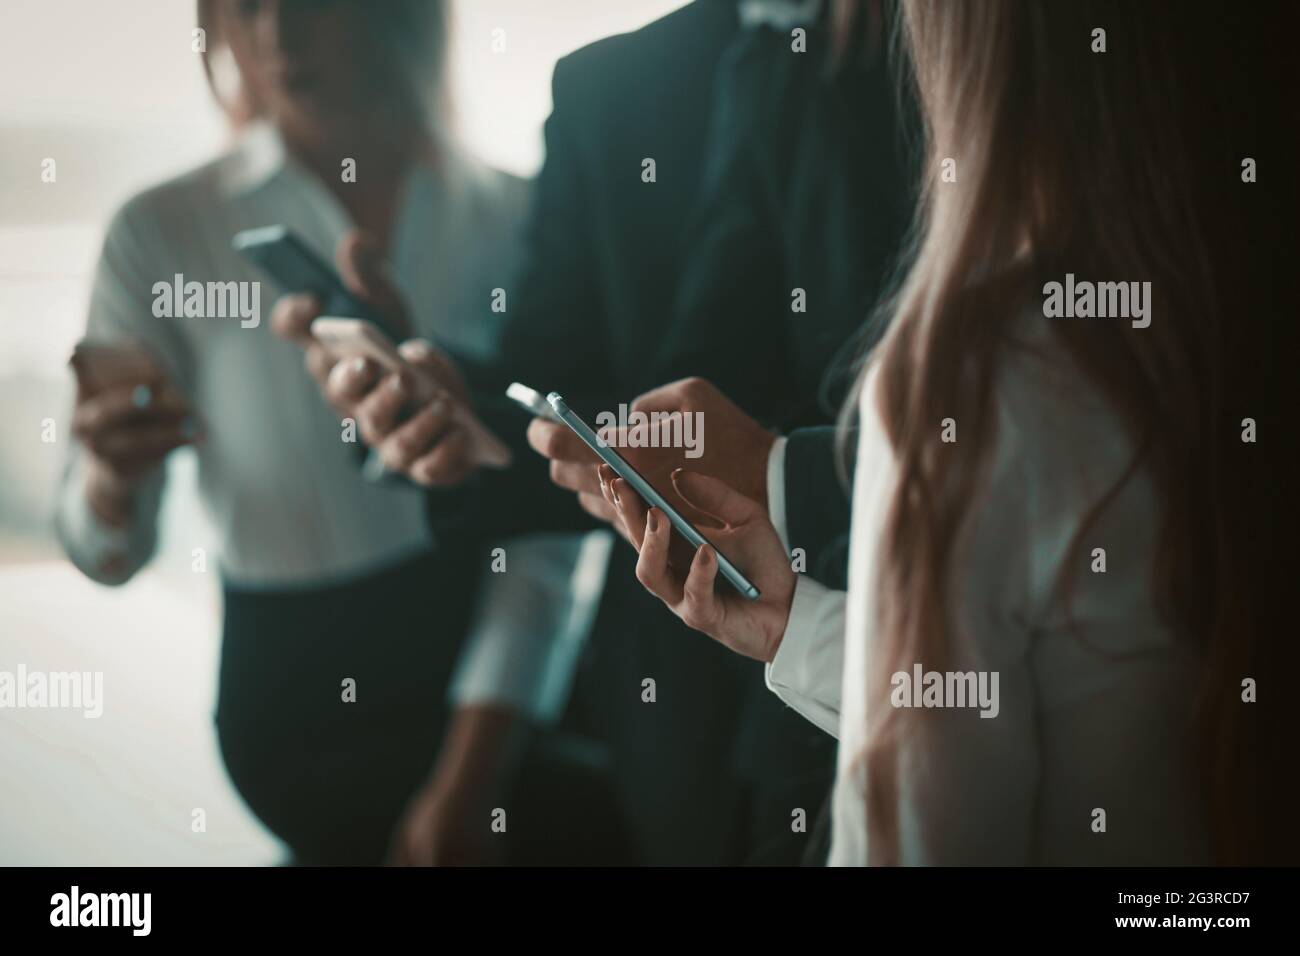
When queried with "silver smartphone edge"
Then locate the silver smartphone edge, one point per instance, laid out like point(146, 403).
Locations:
point(647, 491)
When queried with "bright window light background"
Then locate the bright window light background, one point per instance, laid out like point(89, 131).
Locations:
point(113, 93)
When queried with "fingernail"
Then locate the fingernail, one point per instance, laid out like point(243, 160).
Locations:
point(358, 365)
point(618, 501)
point(437, 406)
point(395, 384)
point(706, 554)
point(142, 396)
point(677, 473)
point(651, 522)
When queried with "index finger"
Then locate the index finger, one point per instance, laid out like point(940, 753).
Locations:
point(675, 396)
point(631, 509)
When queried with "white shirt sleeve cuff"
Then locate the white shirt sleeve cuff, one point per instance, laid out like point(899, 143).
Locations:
point(776, 490)
point(807, 671)
point(532, 624)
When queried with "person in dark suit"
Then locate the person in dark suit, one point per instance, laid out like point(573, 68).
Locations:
point(627, 283)
point(801, 212)
point(804, 195)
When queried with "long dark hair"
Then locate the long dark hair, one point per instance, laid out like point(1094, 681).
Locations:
point(1116, 165)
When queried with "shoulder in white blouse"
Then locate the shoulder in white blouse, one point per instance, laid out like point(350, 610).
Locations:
point(1093, 709)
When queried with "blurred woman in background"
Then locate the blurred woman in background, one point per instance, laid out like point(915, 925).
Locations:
point(342, 618)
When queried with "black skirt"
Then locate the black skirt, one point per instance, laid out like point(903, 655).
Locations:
point(330, 775)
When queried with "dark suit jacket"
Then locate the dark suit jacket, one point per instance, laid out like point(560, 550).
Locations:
point(808, 187)
point(625, 285)
point(805, 197)
point(588, 314)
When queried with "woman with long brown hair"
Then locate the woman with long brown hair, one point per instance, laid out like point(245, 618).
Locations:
point(1052, 624)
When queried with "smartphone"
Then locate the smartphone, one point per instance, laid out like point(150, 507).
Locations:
point(359, 338)
point(532, 401)
point(351, 338)
point(296, 267)
point(647, 491)
point(101, 366)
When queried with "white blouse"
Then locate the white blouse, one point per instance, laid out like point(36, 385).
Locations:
point(282, 490)
point(1091, 725)
point(280, 486)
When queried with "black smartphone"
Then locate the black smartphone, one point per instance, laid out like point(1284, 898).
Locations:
point(296, 267)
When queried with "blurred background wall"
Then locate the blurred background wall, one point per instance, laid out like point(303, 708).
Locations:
point(113, 93)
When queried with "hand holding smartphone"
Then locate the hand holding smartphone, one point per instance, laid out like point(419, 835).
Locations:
point(297, 268)
point(623, 468)
point(128, 417)
point(357, 338)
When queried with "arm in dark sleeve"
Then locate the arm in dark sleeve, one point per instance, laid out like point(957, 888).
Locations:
point(817, 504)
point(553, 338)
point(728, 321)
